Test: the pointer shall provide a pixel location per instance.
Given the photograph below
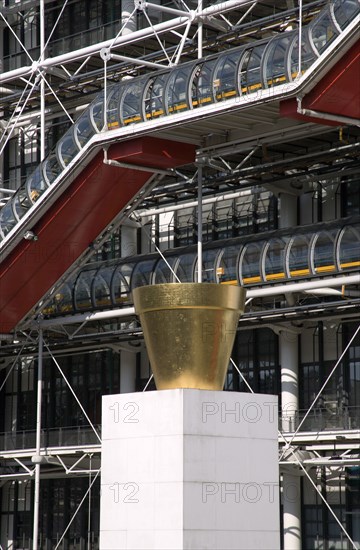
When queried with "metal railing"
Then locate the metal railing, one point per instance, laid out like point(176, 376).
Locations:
point(72, 436)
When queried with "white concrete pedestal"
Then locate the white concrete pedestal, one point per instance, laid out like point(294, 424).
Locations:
point(189, 469)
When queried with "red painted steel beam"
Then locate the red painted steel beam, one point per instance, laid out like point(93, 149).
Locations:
point(76, 219)
point(338, 93)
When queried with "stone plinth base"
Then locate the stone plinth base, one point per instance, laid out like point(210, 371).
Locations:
point(189, 469)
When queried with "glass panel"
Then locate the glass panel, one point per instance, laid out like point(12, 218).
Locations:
point(250, 75)
point(250, 263)
point(36, 184)
point(130, 103)
point(349, 247)
point(102, 284)
point(7, 219)
point(201, 88)
point(120, 285)
point(307, 54)
point(83, 290)
point(275, 260)
point(226, 76)
point(113, 106)
point(142, 273)
point(84, 130)
point(97, 112)
point(345, 11)
point(323, 31)
point(299, 256)
point(276, 60)
point(227, 268)
point(62, 302)
point(208, 266)
point(154, 101)
point(185, 268)
point(67, 148)
point(52, 168)
point(162, 272)
point(177, 90)
point(324, 259)
point(22, 202)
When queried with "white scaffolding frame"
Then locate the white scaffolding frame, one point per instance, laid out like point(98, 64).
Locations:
point(35, 73)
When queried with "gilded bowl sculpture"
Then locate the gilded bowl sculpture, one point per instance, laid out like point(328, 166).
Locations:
point(189, 331)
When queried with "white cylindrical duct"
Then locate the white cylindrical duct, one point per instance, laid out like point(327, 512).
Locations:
point(291, 511)
point(289, 380)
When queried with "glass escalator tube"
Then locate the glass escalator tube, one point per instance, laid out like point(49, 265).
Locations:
point(82, 290)
point(297, 256)
point(67, 147)
point(227, 265)
point(308, 54)
point(131, 108)
point(322, 252)
point(101, 287)
point(120, 283)
point(209, 262)
point(142, 273)
point(164, 271)
point(344, 11)
point(177, 91)
point(226, 75)
point(250, 263)
point(250, 66)
point(273, 260)
point(275, 68)
point(201, 83)
point(153, 96)
point(323, 30)
point(348, 247)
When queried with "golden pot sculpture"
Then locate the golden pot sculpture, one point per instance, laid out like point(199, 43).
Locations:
point(189, 331)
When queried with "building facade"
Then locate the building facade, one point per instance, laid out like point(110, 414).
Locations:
point(278, 212)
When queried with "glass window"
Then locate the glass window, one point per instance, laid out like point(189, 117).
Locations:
point(82, 290)
point(323, 31)
point(177, 90)
point(36, 184)
point(22, 202)
point(345, 11)
point(142, 273)
point(97, 112)
point(348, 248)
point(120, 284)
point(67, 148)
point(162, 271)
point(274, 265)
point(113, 106)
point(7, 219)
point(275, 60)
point(298, 256)
point(308, 55)
point(209, 272)
point(250, 70)
point(130, 103)
point(83, 130)
point(202, 86)
point(154, 97)
point(225, 80)
point(250, 263)
point(102, 283)
point(185, 267)
point(52, 168)
point(227, 264)
point(323, 251)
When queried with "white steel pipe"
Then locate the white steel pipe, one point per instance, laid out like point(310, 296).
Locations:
point(38, 443)
point(135, 36)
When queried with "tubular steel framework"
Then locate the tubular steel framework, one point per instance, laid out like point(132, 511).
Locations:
point(214, 75)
